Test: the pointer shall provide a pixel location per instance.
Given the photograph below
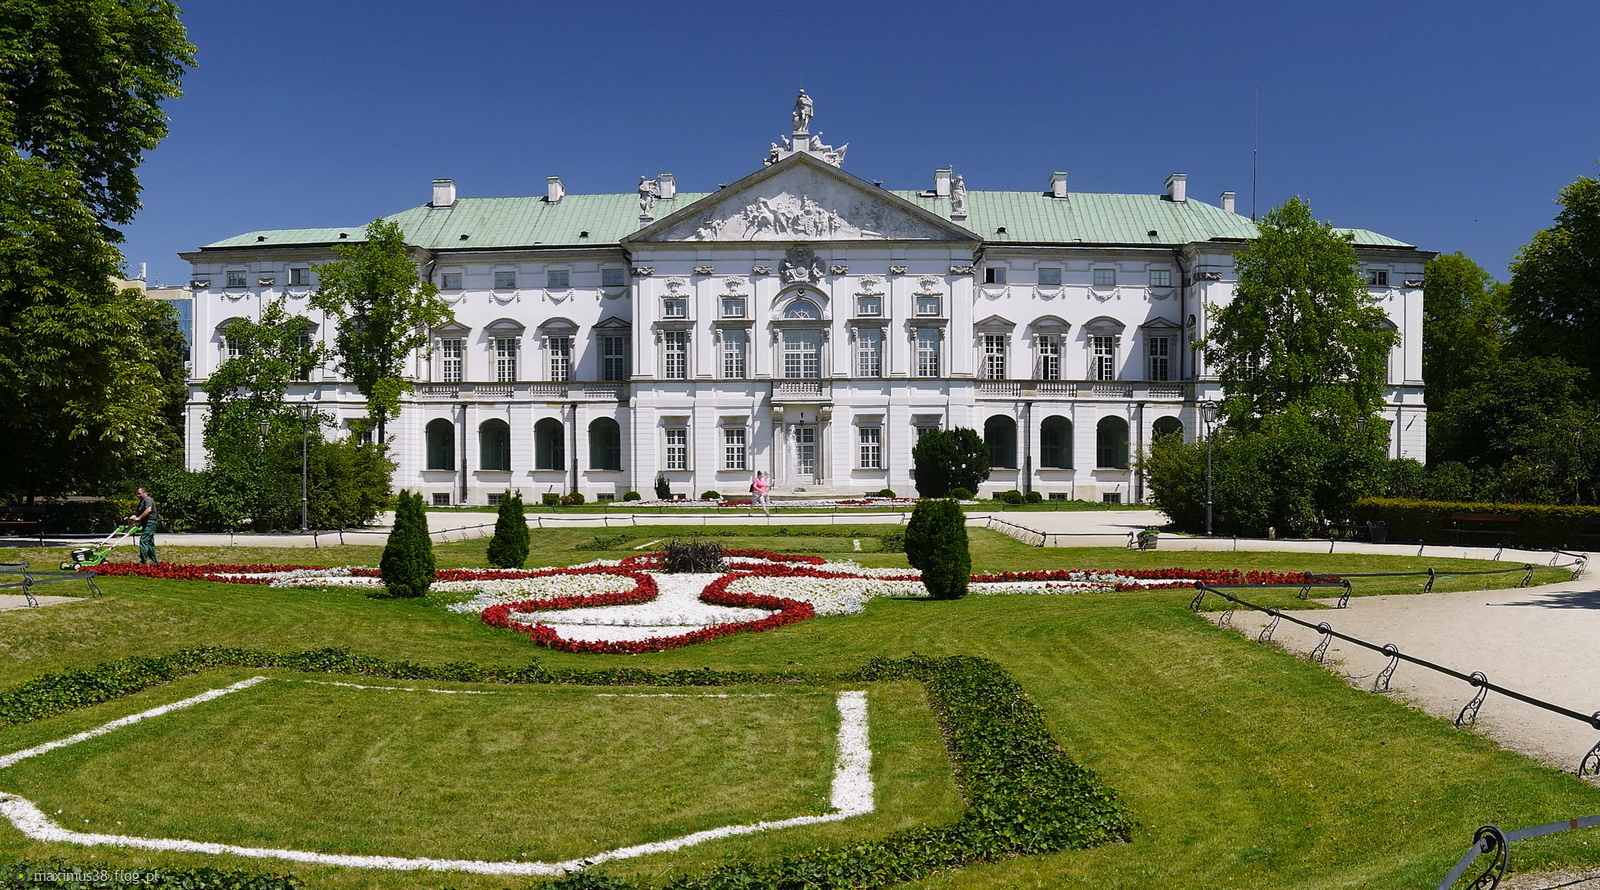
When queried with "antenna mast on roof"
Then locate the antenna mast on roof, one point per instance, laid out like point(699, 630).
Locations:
point(1255, 150)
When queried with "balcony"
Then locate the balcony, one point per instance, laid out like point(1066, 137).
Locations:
point(533, 391)
point(1133, 390)
point(801, 391)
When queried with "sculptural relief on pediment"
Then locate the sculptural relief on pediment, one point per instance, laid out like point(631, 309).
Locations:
point(802, 206)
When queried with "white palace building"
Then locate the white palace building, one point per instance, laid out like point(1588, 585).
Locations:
point(800, 321)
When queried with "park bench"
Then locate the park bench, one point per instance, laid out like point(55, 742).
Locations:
point(20, 527)
point(1588, 532)
point(1498, 526)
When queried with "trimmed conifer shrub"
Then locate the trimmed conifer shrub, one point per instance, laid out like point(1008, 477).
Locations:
point(936, 543)
point(407, 564)
point(508, 549)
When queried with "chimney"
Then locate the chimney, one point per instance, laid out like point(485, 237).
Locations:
point(444, 192)
point(1178, 188)
point(1227, 201)
point(555, 189)
point(1058, 184)
point(668, 184)
point(941, 182)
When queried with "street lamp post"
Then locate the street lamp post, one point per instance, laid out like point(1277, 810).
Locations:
point(261, 491)
point(1208, 416)
point(305, 500)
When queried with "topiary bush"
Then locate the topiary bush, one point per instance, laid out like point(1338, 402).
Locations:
point(663, 487)
point(1012, 497)
point(508, 549)
point(551, 499)
point(632, 496)
point(407, 564)
point(961, 494)
point(574, 499)
point(1035, 498)
point(886, 493)
point(936, 543)
point(711, 494)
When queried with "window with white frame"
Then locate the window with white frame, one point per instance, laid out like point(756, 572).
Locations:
point(1158, 357)
point(675, 355)
point(869, 352)
point(1049, 346)
point(1102, 357)
point(236, 278)
point(869, 306)
point(450, 281)
point(505, 359)
point(299, 276)
point(1049, 276)
point(1377, 277)
point(233, 347)
point(994, 356)
point(452, 355)
point(505, 280)
point(802, 354)
point(557, 279)
point(735, 347)
point(302, 357)
point(1160, 277)
point(613, 357)
point(1105, 277)
point(560, 349)
point(871, 441)
point(733, 448)
point(927, 351)
point(994, 275)
point(674, 307)
point(677, 450)
point(733, 307)
point(611, 278)
point(930, 304)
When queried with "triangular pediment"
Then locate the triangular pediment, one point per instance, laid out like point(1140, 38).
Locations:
point(801, 198)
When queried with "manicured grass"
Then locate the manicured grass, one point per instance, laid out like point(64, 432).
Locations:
point(1245, 767)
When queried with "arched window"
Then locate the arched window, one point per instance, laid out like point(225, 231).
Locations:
point(1000, 434)
point(1111, 444)
point(494, 445)
point(441, 444)
point(1168, 426)
point(802, 309)
point(605, 444)
point(549, 447)
point(1055, 443)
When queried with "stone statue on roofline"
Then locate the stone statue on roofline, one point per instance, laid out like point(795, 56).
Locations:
point(958, 196)
point(802, 112)
point(649, 191)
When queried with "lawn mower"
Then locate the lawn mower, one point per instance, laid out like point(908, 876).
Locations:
point(96, 554)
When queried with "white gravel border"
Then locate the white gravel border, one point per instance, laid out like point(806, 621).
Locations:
point(851, 794)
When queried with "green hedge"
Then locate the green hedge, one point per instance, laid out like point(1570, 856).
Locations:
point(1025, 796)
point(1540, 526)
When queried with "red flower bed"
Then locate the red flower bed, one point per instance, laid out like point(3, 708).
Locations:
point(182, 572)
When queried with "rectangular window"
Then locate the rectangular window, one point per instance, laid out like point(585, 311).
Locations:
point(930, 305)
point(674, 307)
point(869, 307)
point(450, 281)
point(1375, 277)
point(802, 355)
point(1105, 278)
point(733, 307)
point(1049, 357)
point(869, 352)
point(451, 364)
point(733, 448)
point(233, 346)
point(441, 499)
point(1049, 276)
point(505, 280)
point(299, 276)
point(1102, 358)
point(236, 278)
point(613, 358)
point(302, 349)
point(927, 349)
point(494, 498)
point(994, 356)
point(994, 275)
point(505, 359)
point(557, 279)
point(1160, 277)
point(560, 358)
point(734, 346)
point(1159, 351)
point(871, 447)
point(611, 278)
point(677, 449)
point(675, 355)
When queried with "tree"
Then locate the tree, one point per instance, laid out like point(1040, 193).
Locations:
point(384, 313)
point(249, 388)
point(509, 547)
point(949, 459)
point(1463, 324)
point(1555, 284)
point(407, 564)
point(82, 83)
point(936, 543)
point(1301, 327)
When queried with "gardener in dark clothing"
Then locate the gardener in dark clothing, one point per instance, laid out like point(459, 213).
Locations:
point(146, 517)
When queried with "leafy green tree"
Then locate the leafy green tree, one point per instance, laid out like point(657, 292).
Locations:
point(936, 544)
point(508, 549)
point(1555, 285)
point(407, 565)
point(384, 313)
point(249, 388)
point(949, 459)
point(1490, 422)
point(168, 353)
point(1463, 324)
point(1301, 327)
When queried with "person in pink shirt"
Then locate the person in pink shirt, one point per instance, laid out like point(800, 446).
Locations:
point(759, 486)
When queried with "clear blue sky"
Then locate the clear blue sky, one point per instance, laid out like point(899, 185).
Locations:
point(1449, 125)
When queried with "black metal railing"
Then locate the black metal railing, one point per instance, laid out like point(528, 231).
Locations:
point(31, 579)
point(1491, 841)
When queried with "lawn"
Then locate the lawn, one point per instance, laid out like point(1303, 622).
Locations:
point(1243, 766)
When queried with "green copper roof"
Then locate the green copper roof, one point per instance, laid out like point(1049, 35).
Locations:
point(1027, 217)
